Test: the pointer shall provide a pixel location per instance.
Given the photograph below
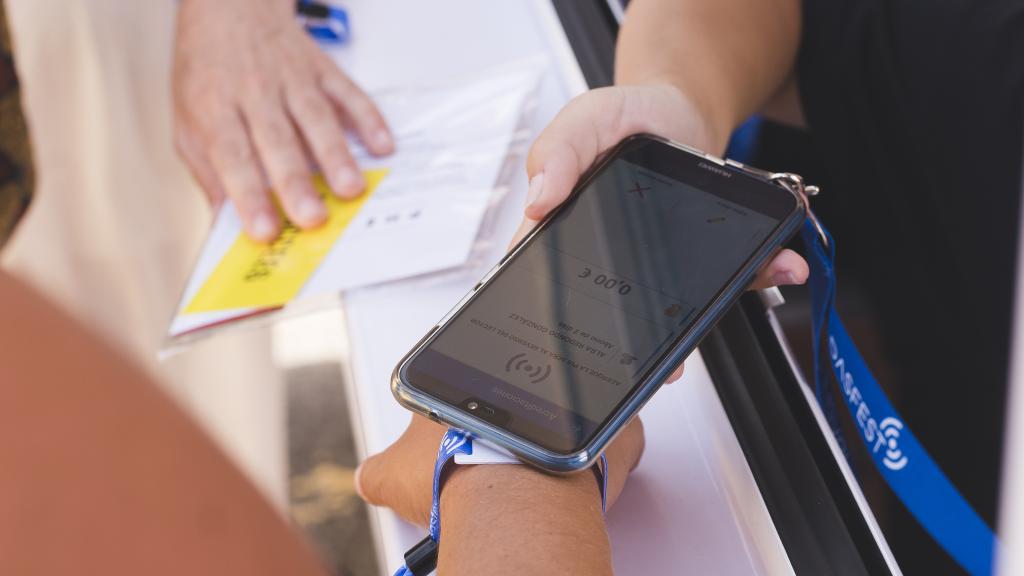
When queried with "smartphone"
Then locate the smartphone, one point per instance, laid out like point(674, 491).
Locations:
point(559, 345)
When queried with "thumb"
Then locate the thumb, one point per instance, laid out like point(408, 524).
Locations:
point(401, 477)
point(560, 169)
point(384, 480)
point(371, 478)
point(588, 125)
point(597, 120)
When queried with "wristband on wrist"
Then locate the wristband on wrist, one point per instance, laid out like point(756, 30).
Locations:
point(457, 445)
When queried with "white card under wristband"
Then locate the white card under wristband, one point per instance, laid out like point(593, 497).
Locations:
point(486, 453)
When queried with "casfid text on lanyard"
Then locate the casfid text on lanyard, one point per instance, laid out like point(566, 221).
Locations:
point(908, 469)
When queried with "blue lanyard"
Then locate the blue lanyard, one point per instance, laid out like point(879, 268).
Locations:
point(425, 553)
point(908, 469)
point(899, 457)
point(422, 558)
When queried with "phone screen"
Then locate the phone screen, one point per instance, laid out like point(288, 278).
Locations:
point(577, 318)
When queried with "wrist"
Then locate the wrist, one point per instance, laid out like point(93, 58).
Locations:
point(716, 120)
point(710, 120)
point(471, 485)
point(509, 519)
point(660, 106)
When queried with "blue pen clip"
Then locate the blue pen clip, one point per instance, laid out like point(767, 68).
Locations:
point(325, 23)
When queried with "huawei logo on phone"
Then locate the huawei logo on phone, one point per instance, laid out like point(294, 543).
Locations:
point(715, 169)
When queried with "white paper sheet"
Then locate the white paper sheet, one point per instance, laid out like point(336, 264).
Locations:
point(425, 216)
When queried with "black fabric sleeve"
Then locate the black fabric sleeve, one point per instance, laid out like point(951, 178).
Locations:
point(917, 109)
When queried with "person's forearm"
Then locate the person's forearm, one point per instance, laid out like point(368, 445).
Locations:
point(729, 57)
point(511, 520)
point(104, 474)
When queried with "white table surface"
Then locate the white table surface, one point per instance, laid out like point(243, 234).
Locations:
point(692, 505)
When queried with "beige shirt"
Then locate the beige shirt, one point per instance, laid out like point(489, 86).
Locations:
point(116, 221)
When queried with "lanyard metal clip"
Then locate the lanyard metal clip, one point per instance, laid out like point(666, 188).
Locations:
point(795, 183)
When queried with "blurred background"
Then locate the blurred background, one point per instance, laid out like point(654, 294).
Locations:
point(112, 234)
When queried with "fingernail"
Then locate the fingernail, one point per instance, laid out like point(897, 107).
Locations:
point(264, 227)
point(357, 483)
point(536, 187)
point(784, 279)
point(381, 139)
point(350, 182)
point(311, 210)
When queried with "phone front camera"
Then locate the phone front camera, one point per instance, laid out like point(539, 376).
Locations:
point(472, 405)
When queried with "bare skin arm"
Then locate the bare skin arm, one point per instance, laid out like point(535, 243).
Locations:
point(730, 58)
point(101, 473)
point(555, 523)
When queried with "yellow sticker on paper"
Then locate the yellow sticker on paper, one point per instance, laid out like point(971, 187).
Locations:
point(254, 275)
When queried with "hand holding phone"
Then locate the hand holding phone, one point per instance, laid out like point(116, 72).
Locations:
point(555, 350)
point(594, 122)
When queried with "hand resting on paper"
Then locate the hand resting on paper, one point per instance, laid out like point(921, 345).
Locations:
point(257, 103)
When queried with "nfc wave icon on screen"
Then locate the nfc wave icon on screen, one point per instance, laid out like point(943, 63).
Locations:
point(520, 363)
point(894, 458)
